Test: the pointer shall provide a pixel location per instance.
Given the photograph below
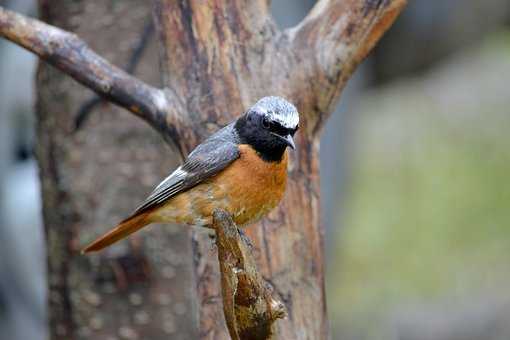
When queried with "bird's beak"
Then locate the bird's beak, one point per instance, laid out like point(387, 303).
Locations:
point(290, 141)
point(286, 139)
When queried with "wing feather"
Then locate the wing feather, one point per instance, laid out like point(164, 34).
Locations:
point(208, 159)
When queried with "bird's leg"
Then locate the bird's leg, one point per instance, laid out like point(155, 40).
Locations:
point(212, 237)
point(211, 234)
point(245, 238)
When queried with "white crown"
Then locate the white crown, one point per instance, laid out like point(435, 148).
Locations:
point(279, 110)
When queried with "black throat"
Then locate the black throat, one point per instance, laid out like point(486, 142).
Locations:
point(269, 148)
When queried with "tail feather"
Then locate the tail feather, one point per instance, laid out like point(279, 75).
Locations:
point(122, 230)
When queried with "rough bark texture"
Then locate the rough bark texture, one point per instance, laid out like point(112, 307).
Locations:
point(248, 303)
point(91, 179)
point(218, 57)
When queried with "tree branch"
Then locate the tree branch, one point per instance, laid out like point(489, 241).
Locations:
point(136, 55)
point(250, 309)
point(337, 35)
point(71, 55)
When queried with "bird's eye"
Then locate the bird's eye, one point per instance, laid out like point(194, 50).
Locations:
point(265, 123)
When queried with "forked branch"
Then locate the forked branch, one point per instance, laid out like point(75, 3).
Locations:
point(248, 304)
point(316, 58)
point(71, 55)
point(337, 35)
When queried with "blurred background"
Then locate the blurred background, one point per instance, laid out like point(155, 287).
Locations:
point(415, 168)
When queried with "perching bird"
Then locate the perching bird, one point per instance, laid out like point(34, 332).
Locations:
point(241, 169)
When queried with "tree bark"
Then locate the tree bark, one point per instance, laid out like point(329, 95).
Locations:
point(218, 58)
point(249, 305)
point(91, 179)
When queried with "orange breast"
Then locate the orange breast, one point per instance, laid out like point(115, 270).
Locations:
point(253, 186)
point(248, 189)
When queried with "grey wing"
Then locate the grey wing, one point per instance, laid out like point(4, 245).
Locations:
point(205, 161)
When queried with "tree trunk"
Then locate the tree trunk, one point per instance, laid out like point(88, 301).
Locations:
point(218, 57)
point(93, 178)
point(216, 78)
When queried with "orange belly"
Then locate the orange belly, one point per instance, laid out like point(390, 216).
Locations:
point(248, 189)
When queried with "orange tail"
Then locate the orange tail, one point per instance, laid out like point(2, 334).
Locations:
point(124, 229)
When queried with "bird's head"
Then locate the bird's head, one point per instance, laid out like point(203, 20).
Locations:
point(269, 127)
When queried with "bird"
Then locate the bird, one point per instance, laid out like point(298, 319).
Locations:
point(241, 169)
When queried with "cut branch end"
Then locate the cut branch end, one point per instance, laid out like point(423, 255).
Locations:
point(249, 306)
